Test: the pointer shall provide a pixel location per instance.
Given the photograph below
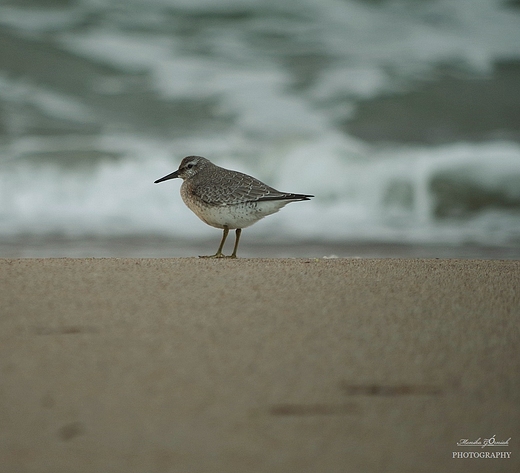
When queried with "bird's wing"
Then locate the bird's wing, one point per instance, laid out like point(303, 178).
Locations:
point(238, 188)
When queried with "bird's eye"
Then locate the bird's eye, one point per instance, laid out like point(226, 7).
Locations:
point(189, 166)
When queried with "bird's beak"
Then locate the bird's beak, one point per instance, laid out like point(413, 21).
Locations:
point(173, 175)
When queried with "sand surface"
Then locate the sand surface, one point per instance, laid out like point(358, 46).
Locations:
point(257, 365)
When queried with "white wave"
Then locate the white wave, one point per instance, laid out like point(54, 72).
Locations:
point(361, 192)
point(373, 48)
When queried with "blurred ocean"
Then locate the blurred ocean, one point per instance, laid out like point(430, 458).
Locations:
point(402, 117)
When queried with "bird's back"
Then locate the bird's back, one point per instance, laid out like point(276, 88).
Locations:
point(219, 186)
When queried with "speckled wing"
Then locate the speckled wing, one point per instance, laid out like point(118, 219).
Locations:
point(232, 188)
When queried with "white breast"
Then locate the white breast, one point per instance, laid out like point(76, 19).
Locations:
point(235, 216)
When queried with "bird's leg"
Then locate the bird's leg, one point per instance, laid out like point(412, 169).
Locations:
point(219, 254)
point(238, 231)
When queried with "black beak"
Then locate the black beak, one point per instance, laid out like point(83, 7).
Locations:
point(173, 175)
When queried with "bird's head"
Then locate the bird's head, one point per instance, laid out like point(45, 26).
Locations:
point(189, 166)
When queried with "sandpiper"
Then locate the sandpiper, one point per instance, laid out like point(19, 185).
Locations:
point(227, 199)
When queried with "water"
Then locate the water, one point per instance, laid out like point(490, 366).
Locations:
point(402, 117)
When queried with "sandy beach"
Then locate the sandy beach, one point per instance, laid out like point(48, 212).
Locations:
point(258, 365)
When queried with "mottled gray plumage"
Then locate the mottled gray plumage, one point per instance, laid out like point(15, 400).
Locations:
point(227, 199)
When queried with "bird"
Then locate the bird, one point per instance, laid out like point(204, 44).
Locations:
point(227, 199)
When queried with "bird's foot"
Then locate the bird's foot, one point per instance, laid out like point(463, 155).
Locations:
point(218, 255)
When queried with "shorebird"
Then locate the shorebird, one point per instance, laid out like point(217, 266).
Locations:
point(227, 199)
